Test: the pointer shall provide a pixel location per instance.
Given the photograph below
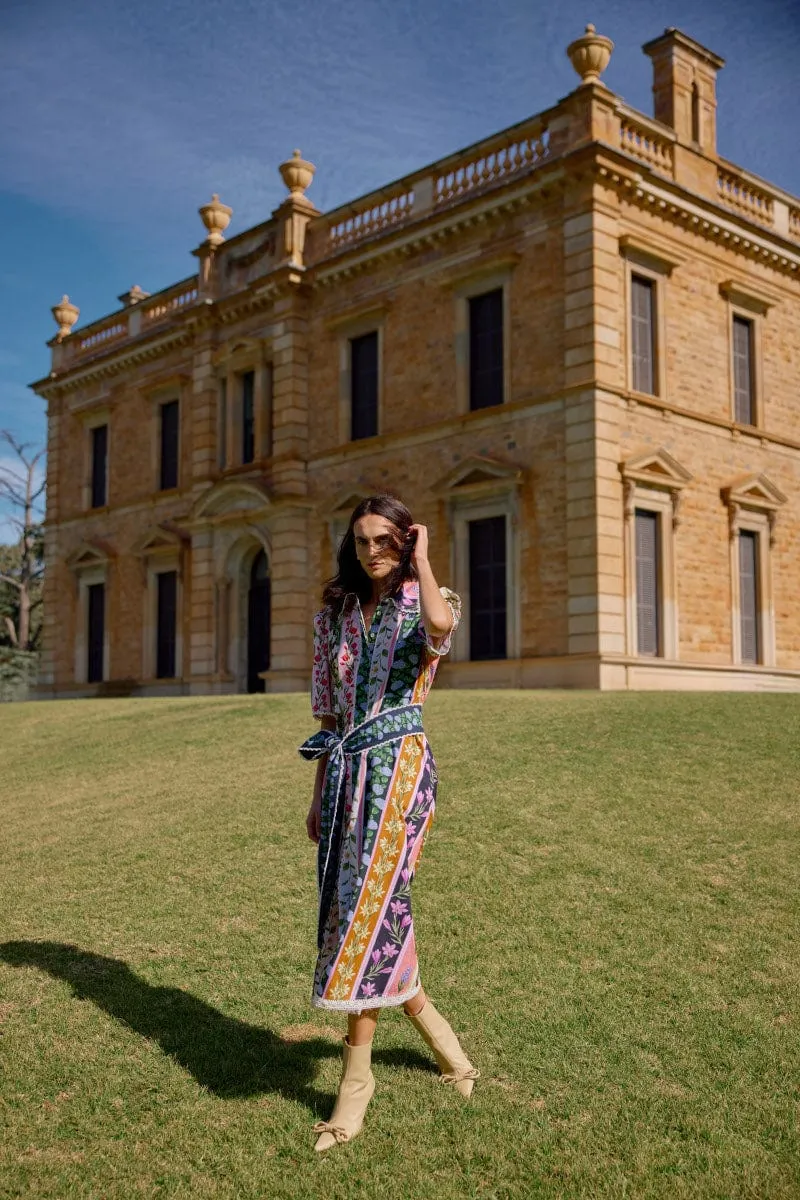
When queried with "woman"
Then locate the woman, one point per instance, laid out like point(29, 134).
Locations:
point(377, 643)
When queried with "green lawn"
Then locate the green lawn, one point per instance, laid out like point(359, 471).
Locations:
point(608, 914)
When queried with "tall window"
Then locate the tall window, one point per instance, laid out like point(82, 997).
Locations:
point(166, 623)
point(99, 465)
point(168, 475)
point(487, 588)
point(743, 389)
point(749, 599)
point(643, 343)
point(364, 386)
point(486, 349)
point(648, 583)
point(95, 633)
point(248, 383)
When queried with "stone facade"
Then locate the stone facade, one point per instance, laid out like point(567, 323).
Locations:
point(573, 216)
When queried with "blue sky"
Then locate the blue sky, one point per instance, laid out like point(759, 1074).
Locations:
point(119, 120)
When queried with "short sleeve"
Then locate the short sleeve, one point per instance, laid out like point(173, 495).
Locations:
point(454, 604)
point(321, 698)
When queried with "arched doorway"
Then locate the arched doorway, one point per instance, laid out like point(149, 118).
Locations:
point(258, 621)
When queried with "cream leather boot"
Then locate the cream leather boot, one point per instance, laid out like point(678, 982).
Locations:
point(453, 1062)
point(355, 1092)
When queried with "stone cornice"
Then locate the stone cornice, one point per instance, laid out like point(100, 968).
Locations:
point(696, 213)
point(113, 363)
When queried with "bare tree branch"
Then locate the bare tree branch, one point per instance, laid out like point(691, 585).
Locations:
point(12, 493)
point(10, 579)
point(12, 633)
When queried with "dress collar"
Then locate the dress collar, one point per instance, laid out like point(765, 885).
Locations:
point(406, 596)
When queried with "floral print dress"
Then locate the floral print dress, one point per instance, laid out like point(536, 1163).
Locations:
point(368, 954)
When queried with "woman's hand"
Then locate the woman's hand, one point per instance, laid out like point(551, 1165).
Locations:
point(420, 551)
point(313, 820)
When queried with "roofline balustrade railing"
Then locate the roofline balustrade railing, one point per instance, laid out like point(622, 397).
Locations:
point(127, 323)
point(649, 141)
point(460, 176)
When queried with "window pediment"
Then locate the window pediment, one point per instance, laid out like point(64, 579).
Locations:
point(242, 350)
point(478, 474)
point(745, 295)
point(231, 498)
point(655, 254)
point(655, 468)
point(90, 553)
point(160, 539)
point(479, 272)
point(754, 491)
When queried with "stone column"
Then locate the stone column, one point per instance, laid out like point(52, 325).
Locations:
point(202, 422)
point(290, 657)
point(200, 667)
point(592, 362)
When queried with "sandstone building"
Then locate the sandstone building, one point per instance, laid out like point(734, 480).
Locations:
point(572, 348)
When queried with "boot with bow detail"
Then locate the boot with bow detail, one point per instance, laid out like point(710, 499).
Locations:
point(355, 1092)
point(453, 1062)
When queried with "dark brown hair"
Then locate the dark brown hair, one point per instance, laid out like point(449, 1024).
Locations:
point(351, 576)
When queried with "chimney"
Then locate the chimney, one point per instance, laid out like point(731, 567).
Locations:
point(685, 88)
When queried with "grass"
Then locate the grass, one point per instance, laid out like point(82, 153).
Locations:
point(608, 914)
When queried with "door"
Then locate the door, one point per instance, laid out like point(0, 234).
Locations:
point(258, 605)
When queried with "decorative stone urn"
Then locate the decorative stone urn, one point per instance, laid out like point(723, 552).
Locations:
point(297, 173)
point(65, 315)
point(216, 217)
point(134, 296)
point(590, 55)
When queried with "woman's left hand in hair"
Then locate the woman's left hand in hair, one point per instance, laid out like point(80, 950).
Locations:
point(420, 551)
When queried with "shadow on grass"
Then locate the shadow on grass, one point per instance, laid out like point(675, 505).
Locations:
point(229, 1057)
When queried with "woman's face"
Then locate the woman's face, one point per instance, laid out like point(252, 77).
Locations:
point(373, 545)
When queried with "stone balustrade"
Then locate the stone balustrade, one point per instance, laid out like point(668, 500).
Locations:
point(493, 160)
point(736, 191)
point(97, 336)
point(651, 144)
point(374, 214)
point(170, 302)
point(131, 322)
point(468, 173)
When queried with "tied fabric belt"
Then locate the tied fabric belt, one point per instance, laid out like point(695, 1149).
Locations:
point(387, 726)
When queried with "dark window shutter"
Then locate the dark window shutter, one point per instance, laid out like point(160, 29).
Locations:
point(99, 465)
point(96, 614)
point(364, 386)
point(743, 370)
point(648, 598)
point(166, 623)
point(248, 382)
point(169, 445)
point(487, 588)
point(748, 596)
point(486, 349)
point(643, 334)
